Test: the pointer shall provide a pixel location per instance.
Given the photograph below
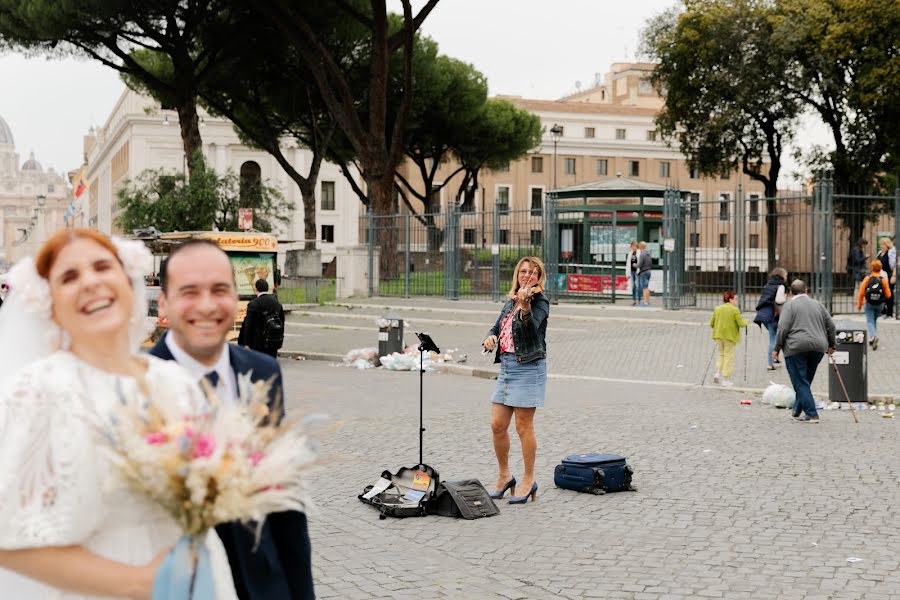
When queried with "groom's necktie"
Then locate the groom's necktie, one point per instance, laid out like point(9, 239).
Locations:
point(213, 378)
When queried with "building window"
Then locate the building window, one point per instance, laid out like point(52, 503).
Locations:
point(754, 240)
point(503, 199)
point(468, 236)
point(695, 240)
point(695, 173)
point(569, 166)
point(664, 167)
point(504, 236)
point(327, 195)
point(620, 134)
point(536, 237)
point(722, 269)
point(537, 201)
point(753, 269)
point(328, 234)
point(634, 168)
point(589, 132)
point(250, 184)
point(651, 135)
point(51, 188)
point(602, 166)
point(754, 207)
point(504, 167)
point(693, 267)
point(723, 240)
point(726, 173)
point(724, 207)
point(694, 206)
point(537, 164)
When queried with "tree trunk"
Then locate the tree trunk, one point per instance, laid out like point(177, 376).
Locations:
point(386, 233)
point(308, 193)
point(772, 232)
point(190, 131)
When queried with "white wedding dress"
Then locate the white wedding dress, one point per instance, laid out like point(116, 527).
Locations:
point(56, 484)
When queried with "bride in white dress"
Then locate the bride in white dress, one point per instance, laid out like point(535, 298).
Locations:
point(68, 526)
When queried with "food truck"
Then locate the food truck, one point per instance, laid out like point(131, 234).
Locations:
point(253, 256)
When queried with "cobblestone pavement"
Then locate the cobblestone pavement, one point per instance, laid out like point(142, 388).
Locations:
point(733, 501)
point(593, 341)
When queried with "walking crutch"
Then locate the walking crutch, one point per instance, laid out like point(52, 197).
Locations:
point(843, 387)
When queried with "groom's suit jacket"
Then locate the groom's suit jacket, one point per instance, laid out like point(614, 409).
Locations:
point(280, 569)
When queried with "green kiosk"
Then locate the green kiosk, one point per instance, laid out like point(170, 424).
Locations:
point(596, 222)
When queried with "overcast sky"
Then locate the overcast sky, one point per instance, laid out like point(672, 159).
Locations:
point(530, 48)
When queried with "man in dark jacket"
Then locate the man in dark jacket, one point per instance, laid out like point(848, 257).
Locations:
point(263, 327)
point(199, 298)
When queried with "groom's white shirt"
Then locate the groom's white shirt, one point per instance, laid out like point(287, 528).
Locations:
point(226, 389)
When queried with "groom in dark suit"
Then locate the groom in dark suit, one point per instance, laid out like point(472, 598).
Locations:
point(200, 301)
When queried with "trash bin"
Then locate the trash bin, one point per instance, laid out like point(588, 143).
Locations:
point(851, 359)
point(390, 334)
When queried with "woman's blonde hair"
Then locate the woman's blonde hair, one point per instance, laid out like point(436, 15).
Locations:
point(536, 264)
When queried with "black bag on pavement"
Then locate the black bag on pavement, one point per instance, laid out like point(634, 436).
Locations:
point(405, 493)
point(465, 499)
point(594, 473)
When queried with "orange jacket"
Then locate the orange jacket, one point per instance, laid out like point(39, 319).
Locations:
point(861, 297)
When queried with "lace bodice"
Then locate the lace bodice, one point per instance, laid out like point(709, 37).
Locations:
point(56, 485)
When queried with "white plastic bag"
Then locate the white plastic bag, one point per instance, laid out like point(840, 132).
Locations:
point(779, 396)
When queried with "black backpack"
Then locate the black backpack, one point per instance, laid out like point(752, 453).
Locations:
point(875, 290)
point(273, 331)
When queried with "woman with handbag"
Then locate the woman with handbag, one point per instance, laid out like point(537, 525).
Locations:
point(519, 336)
point(769, 306)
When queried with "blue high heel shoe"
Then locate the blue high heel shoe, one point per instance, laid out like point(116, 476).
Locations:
point(509, 484)
point(532, 493)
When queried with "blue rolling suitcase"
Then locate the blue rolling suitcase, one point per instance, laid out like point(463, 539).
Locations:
point(595, 473)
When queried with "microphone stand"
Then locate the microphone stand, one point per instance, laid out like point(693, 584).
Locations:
point(426, 344)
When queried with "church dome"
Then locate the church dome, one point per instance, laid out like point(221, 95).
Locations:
point(31, 164)
point(6, 136)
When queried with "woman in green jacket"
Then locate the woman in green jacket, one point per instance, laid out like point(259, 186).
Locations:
point(726, 323)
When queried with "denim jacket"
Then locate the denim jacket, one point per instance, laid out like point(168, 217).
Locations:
point(529, 334)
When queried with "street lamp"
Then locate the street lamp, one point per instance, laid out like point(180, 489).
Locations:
point(556, 131)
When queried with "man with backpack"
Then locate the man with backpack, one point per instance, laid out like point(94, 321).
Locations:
point(263, 327)
point(873, 292)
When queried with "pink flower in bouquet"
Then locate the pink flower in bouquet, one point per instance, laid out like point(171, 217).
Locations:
point(256, 457)
point(204, 446)
point(156, 438)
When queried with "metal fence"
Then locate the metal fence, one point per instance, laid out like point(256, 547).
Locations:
point(453, 254)
point(733, 242)
point(700, 248)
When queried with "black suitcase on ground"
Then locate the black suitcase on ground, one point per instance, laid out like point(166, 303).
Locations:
point(595, 473)
point(465, 499)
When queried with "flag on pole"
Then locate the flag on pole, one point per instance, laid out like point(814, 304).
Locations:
point(79, 183)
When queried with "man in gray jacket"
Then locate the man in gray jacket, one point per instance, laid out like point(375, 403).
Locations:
point(805, 333)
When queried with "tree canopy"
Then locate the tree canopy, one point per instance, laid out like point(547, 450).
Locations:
point(169, 202)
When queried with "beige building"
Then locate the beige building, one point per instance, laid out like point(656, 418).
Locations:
point(139, 135)
point(33, 202)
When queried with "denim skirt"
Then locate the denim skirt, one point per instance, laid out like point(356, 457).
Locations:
point(520, 385)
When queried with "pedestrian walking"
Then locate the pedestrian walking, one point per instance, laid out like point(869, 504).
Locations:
point(856, 263)
point(805, 334)
point(263, 327)
point(888, 258)
point(519, 335)
point(632, 262)
point(873, 293)
point(726, 323)
point(644, 265)
point(768, 309)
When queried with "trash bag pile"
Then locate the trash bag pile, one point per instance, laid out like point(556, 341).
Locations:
point(779, 396)
point(408, 360)
point(362, 358)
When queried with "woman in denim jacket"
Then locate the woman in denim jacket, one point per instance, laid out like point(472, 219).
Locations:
point(520, 338)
